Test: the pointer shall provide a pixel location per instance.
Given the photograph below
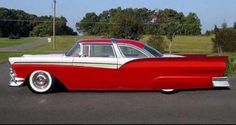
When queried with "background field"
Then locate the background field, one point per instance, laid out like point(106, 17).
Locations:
point(189, 44)
point(5, 42)
point(181, 45)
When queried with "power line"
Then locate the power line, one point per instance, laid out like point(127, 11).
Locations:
point(143, 23)
point(107, 23)
point(14, 20)
point(20, 20)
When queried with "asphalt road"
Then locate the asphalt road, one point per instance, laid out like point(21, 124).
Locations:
point(36, 43)
point(20, 105)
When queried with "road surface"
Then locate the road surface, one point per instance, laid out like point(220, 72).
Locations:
point(20, 105)
point(34, 44)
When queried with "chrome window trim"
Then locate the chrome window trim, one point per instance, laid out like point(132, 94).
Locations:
point(148, 55)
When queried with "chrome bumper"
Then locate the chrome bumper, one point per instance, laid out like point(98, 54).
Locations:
point(220, 82)
point(15, 81)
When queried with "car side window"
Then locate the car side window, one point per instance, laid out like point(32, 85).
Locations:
point(128, 51)
point(86, 50)
point(98, 51)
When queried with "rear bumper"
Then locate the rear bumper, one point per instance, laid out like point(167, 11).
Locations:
point(220, 82)
point(15, 81)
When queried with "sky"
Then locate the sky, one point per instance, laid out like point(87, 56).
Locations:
point(210, 12)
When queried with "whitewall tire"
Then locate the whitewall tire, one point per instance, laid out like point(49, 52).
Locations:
point(168, 91)
point(41, 82)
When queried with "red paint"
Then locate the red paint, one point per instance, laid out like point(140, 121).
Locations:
point(141, 74)
point(132, 42)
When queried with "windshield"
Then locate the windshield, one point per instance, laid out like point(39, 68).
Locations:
point(74, 50)
point(153, 51)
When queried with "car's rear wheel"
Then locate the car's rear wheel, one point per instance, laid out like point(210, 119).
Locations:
point(41, 81)
point(168, 91)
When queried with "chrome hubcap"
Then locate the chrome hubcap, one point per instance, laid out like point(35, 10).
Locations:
point(40, 80)
point(167, 90)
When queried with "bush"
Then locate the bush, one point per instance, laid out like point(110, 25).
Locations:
point(225, 39)
point(157, 42)
point(13, 36)
point(231, 67)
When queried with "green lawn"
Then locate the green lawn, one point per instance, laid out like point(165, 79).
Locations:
point(5, 42)
point(4, 56)
point(63, 43)
point(181, 45)
point(189, 44)
point(192, 44)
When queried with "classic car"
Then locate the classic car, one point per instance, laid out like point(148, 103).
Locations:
point(117, 64)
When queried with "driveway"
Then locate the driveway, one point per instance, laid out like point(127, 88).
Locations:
point(20, 105)
point(36, 43)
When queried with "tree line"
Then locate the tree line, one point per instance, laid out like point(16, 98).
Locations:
point(225, 38)
point(19, 23)
point(132, 23)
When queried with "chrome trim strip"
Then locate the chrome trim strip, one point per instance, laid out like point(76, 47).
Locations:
point(220, 82)
point(84, 64)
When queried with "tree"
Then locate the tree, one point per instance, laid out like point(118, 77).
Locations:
point(172, 29)
point(87, 24)
point(225, 40)
point(126, 24)
point(208, 33)
point(45, 28)
point(21, 28)
point(191, 25)
point(224, 25)
point(157, 42)
point(151, 21)
point(234, 25)
point(216, 29)
point(26, 23)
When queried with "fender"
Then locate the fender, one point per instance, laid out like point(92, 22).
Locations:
point(182, 82)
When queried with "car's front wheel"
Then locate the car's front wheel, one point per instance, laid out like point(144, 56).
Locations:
point(41, 81)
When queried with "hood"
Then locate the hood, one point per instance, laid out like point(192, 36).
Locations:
point(37, 58)
point(171, 55)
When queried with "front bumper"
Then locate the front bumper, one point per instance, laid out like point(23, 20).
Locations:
point(15, 81)
point(220, 82)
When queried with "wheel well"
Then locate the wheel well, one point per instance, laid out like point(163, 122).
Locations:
point(58, 84)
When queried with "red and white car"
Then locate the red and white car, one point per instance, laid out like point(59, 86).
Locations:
point(117, 64)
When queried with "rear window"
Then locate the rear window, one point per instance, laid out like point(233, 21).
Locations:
point(131, 52)
point(153, 51)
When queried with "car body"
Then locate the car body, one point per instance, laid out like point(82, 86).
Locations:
point(118, 64)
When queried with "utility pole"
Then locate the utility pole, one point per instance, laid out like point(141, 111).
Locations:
point(54, 23)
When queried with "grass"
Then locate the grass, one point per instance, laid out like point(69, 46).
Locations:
point(181, 45)
point(192, 44)
point(4, 55)
point(5, 42)
point(197, 45)
point(189, 44)
point(63, 43)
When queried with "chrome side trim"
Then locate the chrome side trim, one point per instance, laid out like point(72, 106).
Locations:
point(220, 82)
point(15, 81)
